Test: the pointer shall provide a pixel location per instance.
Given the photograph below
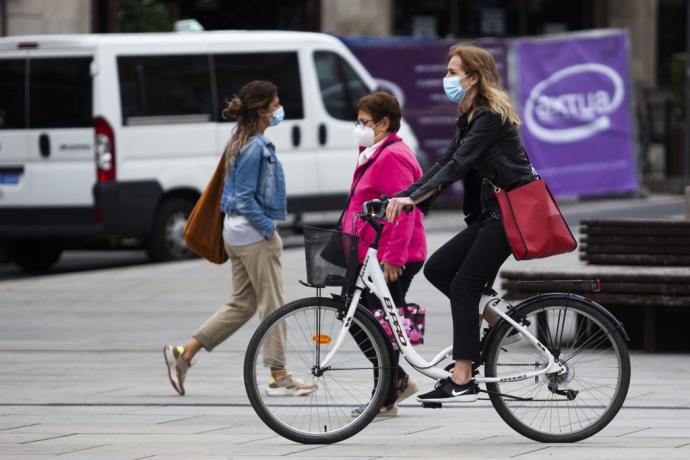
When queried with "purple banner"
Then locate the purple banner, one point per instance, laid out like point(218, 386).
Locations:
point(414, 71)
point(575, 103)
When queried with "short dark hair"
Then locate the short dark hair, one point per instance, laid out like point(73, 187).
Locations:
point(381, 105)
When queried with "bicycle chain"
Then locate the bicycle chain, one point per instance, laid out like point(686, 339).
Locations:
point(519, 364)
point(520, 400)
point(531, 400)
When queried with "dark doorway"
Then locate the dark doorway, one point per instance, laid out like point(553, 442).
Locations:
point(257, 14)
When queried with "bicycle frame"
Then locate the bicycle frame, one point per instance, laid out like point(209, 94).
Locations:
point(371, 277)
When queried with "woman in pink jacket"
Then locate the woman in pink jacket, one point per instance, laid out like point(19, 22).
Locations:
point(386, 165)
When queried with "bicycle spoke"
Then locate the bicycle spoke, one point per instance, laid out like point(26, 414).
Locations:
point(582, 395)
point(307, 335)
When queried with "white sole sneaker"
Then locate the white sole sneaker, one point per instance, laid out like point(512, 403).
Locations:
point(409, 391)
point(446, 391)
point(171, 364)
point(383, 412)
point(455, 399)
point(289, 392)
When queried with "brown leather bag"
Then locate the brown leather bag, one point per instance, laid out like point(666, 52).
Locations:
point(204, 229)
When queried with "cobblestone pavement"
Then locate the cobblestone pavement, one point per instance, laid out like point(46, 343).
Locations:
point(82, 377)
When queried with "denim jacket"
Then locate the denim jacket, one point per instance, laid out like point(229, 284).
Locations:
point(255, 186)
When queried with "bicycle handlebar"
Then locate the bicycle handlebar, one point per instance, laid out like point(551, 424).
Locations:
point(376, 209)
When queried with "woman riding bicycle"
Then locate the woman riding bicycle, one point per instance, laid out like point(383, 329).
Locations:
point(486, 149)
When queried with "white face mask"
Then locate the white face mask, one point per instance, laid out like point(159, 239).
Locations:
point(364, 135)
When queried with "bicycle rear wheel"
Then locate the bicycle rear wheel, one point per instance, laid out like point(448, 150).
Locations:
point(568, 407)
point(297, 337)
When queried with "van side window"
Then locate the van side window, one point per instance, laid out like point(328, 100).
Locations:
point(235, 70)
point(12, 94)
point(60, 93)
point(165, 89)
point(340, 85)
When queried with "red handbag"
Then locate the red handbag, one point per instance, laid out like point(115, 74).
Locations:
point(533, 222)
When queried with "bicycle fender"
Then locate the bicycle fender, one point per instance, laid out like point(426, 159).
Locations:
point(579, 298)
point(557, 295)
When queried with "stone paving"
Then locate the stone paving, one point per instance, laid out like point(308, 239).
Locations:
point(83, 378)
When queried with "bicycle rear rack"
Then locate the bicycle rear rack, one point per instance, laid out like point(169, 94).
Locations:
point(569, 285)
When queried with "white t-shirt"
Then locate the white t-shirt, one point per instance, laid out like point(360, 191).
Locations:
point(237, 231)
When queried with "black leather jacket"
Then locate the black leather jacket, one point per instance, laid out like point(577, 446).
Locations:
point(483, 148)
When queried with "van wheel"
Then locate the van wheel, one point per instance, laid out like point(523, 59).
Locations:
point(35, 256)
point(166, 242)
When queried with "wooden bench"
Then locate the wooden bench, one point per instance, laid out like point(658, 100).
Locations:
point(662, 242)
point(645, 283)
point(651, 301)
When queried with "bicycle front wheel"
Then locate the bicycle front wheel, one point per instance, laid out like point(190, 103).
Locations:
point(567, 407)
point(349, 390)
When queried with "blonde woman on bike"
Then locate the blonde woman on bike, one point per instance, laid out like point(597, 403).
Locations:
point(253, 200)
point(486, 149)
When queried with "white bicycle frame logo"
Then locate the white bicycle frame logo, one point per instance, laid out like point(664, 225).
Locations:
point(591, 108)
point(371, 277)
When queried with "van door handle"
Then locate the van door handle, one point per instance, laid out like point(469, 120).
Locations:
point(323, 135)
point(296, 136)
point(44, 145)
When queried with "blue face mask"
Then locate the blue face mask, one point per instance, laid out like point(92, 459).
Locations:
point(454, 89)
point(277, 116)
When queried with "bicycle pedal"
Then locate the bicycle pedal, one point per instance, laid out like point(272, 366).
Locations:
point(432, 405)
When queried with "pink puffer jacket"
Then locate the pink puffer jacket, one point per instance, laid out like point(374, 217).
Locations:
point(389, 171)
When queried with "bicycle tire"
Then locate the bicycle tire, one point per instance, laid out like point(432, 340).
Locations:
point(584, 317)
point(301, 419)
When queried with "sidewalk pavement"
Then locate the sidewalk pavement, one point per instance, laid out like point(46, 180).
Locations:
point(83, 378)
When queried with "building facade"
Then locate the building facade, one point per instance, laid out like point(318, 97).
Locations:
point(658, 28)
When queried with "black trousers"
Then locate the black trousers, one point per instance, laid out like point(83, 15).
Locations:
point(460, 269)
point(398, 290)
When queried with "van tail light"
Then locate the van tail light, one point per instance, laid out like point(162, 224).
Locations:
point(105, 150)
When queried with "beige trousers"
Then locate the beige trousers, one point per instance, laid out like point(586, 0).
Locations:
point(257, 281)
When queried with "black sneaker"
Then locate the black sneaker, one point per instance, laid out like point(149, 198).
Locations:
point(448, 391)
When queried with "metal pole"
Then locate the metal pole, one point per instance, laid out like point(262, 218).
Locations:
point(3, 19)
point(454, 13)
point(686, 168)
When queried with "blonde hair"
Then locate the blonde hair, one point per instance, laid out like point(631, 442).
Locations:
point(488, 91)
point(244, 107)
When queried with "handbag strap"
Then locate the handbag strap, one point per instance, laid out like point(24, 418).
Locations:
point(534, 171)
point(354, 185)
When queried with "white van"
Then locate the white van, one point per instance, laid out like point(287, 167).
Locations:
point(111, 138)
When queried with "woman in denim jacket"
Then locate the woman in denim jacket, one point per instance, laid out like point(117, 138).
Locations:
point(253, 199)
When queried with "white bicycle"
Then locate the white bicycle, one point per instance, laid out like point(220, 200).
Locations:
point(563, 381)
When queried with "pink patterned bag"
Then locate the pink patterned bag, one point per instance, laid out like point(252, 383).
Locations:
point(413, 320)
